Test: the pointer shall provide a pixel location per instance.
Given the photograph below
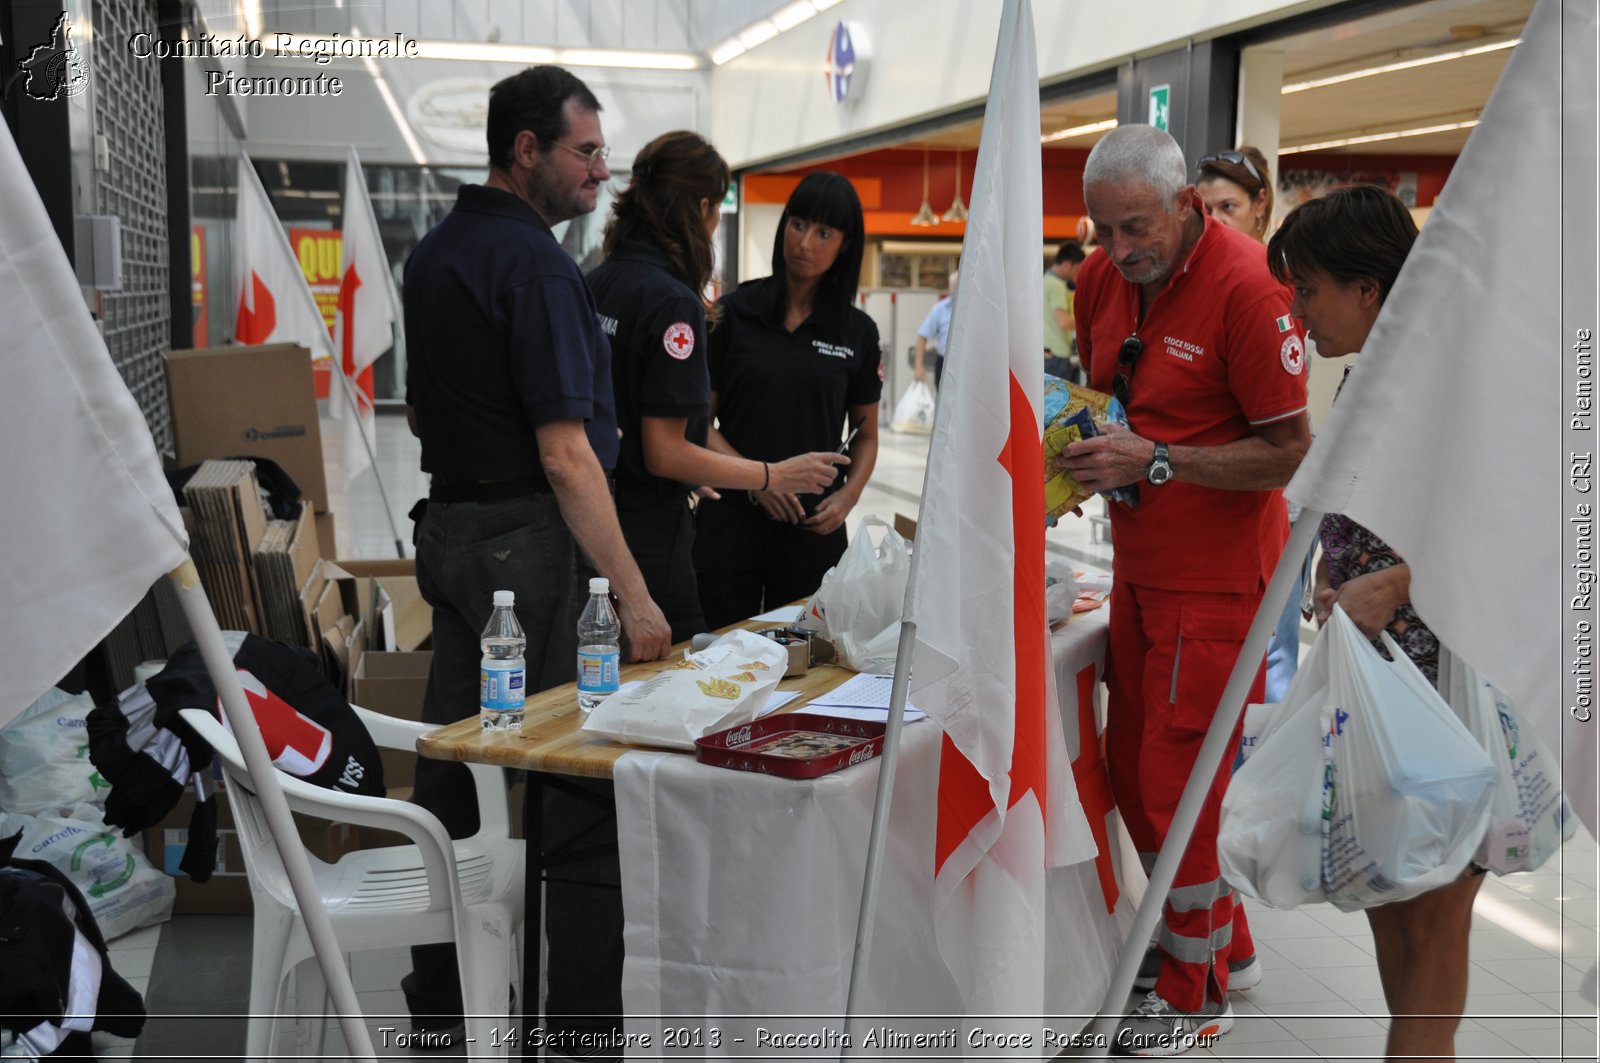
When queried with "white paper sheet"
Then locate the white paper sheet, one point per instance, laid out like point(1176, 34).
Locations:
point(787, 614)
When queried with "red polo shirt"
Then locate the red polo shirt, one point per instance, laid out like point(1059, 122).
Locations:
point(1220, 356)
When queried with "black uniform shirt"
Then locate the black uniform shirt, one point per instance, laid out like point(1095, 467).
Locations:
point(657, 327)
point(501, 337)
point(784, 393)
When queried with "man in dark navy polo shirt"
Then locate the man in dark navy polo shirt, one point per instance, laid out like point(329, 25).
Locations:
point(508, 385)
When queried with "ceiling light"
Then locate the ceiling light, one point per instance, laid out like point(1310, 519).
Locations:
point(482, 52)
point(1078, 131)
point(958, 209)
point(1407, 64)
point(787, 18)
point(731, 48)
point(1374, 138)
point(823, 5)
point(925, 214)
point(758, 33)
point(637, 60)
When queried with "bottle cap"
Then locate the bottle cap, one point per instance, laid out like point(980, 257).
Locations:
point(599, 585)
point(505, 597)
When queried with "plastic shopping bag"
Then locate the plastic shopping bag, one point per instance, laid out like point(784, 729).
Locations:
point(44, 757)
point(1269, 843)
point(858, 606)
point(914, 411)
point(724, 685)
point(1529, 817)
point(1407, 788)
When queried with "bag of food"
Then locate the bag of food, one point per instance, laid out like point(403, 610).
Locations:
point(1529, 817)
point(859, 604)
point(723, 685)
point(914, 411)
point(44, 757)
point(1407, 787)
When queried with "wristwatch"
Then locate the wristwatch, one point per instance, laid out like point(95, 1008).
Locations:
point(1160, 470)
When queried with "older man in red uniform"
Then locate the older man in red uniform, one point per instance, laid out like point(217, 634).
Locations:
point(1180, 319)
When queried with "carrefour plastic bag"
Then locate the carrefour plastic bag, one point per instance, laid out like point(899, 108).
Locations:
point(1529, 817)
point(124, 892)
point(44, 757)
point(1407, 788)
point(724, 685)
point(1269, 843)
point(858, 606)
point(914, 411)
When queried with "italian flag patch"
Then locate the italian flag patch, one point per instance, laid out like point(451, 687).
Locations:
point(1284, 324)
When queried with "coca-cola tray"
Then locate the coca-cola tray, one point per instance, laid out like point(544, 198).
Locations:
point(794, 745)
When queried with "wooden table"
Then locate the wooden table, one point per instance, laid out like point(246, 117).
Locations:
point(552, 739)
point(553, 743)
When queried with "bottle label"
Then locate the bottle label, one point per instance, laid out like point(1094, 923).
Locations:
point(597, 672)
point(502, 689)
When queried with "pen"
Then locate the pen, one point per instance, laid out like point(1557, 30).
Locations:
point(844, 448)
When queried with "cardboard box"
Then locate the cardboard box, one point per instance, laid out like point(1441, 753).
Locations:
point(412, 617)
point(250, 401)
point(393, 684)
point(905, 527)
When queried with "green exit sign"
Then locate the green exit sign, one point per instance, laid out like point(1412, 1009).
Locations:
point(1160, 105)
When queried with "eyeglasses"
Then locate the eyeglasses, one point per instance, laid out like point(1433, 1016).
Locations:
point(1127, 358)
point(1236, 158)
point(589, 158)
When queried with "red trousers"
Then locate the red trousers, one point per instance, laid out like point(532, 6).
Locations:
point(1170, 656)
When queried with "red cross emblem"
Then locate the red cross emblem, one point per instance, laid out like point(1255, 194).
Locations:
point(1094, 785)
point(678, 340)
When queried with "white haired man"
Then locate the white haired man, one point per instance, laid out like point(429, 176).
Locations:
point(1181, 320)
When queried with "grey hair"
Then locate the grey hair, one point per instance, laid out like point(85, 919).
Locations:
point(1142, 152)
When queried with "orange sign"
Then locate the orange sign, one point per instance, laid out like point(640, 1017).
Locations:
point(319, 252)
point(197, 283)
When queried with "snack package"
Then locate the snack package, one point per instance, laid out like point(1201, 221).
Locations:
point(723, 685)
point(1071, 413)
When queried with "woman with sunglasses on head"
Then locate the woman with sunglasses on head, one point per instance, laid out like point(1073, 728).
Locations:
point(658, 262)
point(1341, 254)
point(795, 366)
point(1237, 190)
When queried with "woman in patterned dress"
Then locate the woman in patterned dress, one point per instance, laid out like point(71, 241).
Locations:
point(1341, 254)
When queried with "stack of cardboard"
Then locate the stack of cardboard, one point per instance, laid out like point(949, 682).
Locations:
point(284, 563)
point(226, 524)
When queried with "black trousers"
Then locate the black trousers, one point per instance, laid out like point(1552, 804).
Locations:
point(748, 563)
point(659, 529)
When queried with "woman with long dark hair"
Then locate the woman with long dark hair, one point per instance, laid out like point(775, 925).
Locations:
point(658, 262)
point(1341, 255)
point(795, 366)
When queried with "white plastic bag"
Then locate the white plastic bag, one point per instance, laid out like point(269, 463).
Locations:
point(124, 892)
point(1529, 817)
point(1269, 842)
point(1407, 787)
point(1060, 591)
point(914, 411)
point(44, 757)
point(859, 604)
point(723, 685)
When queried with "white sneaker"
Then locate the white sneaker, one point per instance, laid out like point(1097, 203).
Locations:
point(1156, 1028)
point(1244, 975)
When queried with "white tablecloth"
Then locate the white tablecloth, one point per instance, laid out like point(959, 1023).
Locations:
point(741, 891)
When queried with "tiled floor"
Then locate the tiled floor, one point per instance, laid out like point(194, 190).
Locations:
point(1533, 940)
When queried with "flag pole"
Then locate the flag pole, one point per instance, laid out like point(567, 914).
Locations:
point(241, 720)
point(1218, 744)
point(349, 389)
point(880, 822)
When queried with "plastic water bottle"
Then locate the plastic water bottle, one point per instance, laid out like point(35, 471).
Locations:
point(599, 646)
point(502, 682)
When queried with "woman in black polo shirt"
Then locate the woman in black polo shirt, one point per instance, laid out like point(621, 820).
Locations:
point(658, 260)
point(794, 367)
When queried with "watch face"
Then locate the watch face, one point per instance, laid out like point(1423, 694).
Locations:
point(1160, 473)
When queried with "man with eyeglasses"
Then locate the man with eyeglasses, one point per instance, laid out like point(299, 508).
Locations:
point(508, 385)
point(1180, 319)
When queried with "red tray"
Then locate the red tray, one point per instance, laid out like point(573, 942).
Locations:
point(794, 745)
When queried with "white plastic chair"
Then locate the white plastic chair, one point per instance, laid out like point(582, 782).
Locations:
point(469, 891)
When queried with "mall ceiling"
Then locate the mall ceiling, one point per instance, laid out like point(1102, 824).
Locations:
point(1432, 94)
